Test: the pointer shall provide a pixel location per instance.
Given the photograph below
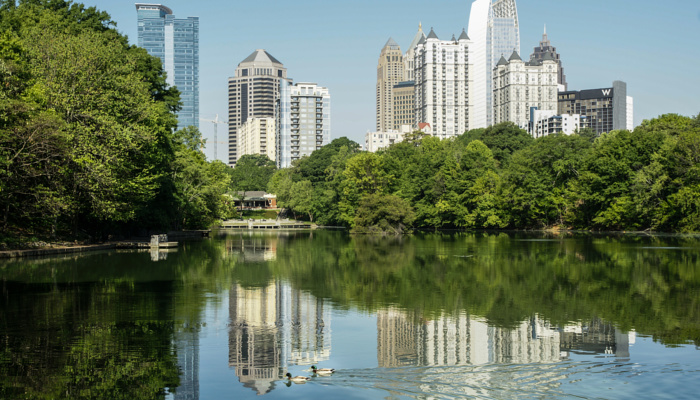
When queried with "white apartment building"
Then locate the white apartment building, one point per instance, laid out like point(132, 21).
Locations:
point(304, 120)
point(258, 136)
point(519, 86)
point(547, 122)
point(630, 113)
point(442, 84)
point(375, 141)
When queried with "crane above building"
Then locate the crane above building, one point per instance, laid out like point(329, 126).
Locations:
point(216, 121)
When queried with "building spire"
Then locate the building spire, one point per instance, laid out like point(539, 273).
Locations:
point(545, 39)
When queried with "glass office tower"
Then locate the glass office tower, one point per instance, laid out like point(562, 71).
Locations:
point(176, 43)
point(494, 31)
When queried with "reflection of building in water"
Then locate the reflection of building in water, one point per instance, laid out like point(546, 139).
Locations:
point(533, 340)
point(253, 248)
point(255, 341)
point(187, 345)
point(596, 337)
point(460, 340)
point(272, 326)
point(405, 339)
point(310, 337)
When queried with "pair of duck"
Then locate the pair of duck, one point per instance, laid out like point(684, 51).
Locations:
point(316, 371)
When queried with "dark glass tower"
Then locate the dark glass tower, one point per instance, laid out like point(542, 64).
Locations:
point(176, 43)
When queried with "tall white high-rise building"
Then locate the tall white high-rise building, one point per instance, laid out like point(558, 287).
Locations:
point(494, 32)
point(304, 121)
point(257, 136)
point(442, 84)
point(520, 86)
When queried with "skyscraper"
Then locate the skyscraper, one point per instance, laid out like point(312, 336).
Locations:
point(304, 123)
point(545, 49)
point(409, 55)
point(176, 43)
point(606, 108)
point(443, 75)
point(390, 71)
point(494, 32)
point(521, 86)
point(252, 93)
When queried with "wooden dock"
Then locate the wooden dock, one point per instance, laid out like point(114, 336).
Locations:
point(163, 242)
point(264, 224)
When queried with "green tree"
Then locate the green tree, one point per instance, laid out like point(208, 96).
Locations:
point(313, 167)
point(200, 186)
point(383, 213)
point(538, 179)
point(302, 198)
point(111, 142)
point(252, 172)
point(503, 139)
point(605, 199)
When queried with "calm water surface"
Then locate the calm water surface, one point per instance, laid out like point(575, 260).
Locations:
point(433, 316)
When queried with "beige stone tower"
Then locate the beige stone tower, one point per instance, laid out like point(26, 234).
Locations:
point(390, 71)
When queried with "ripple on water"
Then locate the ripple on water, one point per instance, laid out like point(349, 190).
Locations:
point(517, 381)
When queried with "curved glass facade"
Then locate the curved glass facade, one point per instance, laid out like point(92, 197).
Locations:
point(176, 43)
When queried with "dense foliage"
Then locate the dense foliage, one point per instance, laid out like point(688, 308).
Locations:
point(87, 143)
point(500, 177)
point(252, 173)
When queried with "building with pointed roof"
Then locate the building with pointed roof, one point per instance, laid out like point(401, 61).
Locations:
point(519, 87)
point(252, 93)
point(494, 32)
point(546, 51)
point(176, 42)
point(390, 71)
point(442, 85)
point(409, 54)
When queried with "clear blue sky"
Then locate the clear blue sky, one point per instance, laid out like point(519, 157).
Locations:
point(651, 45)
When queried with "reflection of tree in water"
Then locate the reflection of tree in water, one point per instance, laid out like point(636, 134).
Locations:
point(643, 283)
point(89, 340)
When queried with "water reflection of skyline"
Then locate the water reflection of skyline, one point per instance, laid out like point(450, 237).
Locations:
point(273, 327)
point(406, 339)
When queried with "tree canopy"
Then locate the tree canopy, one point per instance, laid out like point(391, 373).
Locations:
point(500, 177)
point(87, 122)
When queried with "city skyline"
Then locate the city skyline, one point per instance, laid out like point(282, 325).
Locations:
point(337, 45)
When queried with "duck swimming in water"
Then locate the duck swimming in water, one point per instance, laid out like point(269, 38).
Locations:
point(322, 371)
point(297, 379)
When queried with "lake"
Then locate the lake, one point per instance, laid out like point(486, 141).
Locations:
point(429, 316)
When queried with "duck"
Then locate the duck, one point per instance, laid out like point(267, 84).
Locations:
point(297, 379)
point(322, 371)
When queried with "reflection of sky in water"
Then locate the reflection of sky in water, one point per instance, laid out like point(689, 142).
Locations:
point(650, 368)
